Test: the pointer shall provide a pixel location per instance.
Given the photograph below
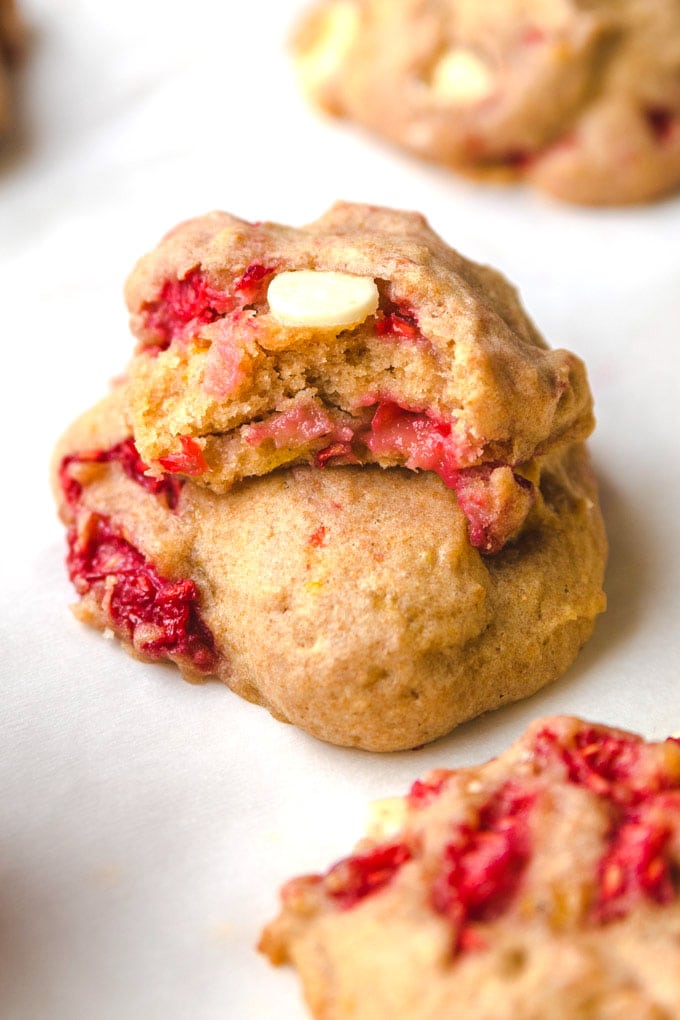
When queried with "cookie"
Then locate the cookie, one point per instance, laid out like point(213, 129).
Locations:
point(347, 600)
point(11, 45)
point(361, 338)
point(542, 885)
point(581, 100)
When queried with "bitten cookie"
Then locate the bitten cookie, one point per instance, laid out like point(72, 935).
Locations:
point(542, 885)
point(361, 338)
point(581, 100)
point(347, 600)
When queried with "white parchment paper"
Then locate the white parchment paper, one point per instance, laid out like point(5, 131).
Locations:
point(146, 825)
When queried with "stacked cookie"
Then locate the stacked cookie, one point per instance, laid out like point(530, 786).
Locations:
point(344, 474)
point(581, 100)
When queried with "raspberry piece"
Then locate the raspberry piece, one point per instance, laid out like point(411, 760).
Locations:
point(483, 865)
point(623, 771)
point(336, 451)
point(518, 159)
point(495, 501)
point(636, 866)
point(318, 537)
point(184, 303)
point(295, 427)
point(424, 791)
point(227, 360)
point(422, 439)
point(190, 461)
point(352, 879)
point(599, 760)
point(160, 617)
point(253, 284)
point(661, 122)
point(124, 453)
point(399, 321)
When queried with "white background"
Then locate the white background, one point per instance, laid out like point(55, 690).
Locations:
point(146, 825)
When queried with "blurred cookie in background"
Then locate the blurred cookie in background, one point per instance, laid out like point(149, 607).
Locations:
point(580, 100)
point(12, 36)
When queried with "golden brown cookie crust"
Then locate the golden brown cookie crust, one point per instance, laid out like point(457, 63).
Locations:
point(581, 100)
point(328, 606)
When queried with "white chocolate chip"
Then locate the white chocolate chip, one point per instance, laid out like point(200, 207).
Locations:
point(386, 818)
point(321, 300)
point(461, 76)
point(332, 33)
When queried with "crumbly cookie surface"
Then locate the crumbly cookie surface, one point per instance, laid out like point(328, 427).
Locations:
point(580, 99)
point(442, 371)
point(543, 885)
point(346, 600)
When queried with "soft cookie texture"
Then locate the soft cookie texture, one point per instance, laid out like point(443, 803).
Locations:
point(580, 99)
point(347, 600)
point(361, 338)
point(544, 885)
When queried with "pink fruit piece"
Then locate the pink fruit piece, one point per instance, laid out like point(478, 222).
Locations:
point(483, 864)
point(643, 799)
point(189, 461)
point(182, 305)
point(124, 453)
point(397, 320)
point(354, 878)
point(158, 616)
point(662, 123)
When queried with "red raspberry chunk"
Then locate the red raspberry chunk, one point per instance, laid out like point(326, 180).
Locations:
point(398, 321)
point(494, 499)
point(424, 440)
point(354, 878)
point(189, 461)
point(533, 35)
point(159, 616)
point(644, 801)
point(424, 791)
point(518, 159)
point(252, 285)
point(483, 864)
point(662, 122)
point(636, 866)
point(183, 304)
point(598, 759)
point(295, 427)
point(318, 537)
point(124, 453)
point(339, 452)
